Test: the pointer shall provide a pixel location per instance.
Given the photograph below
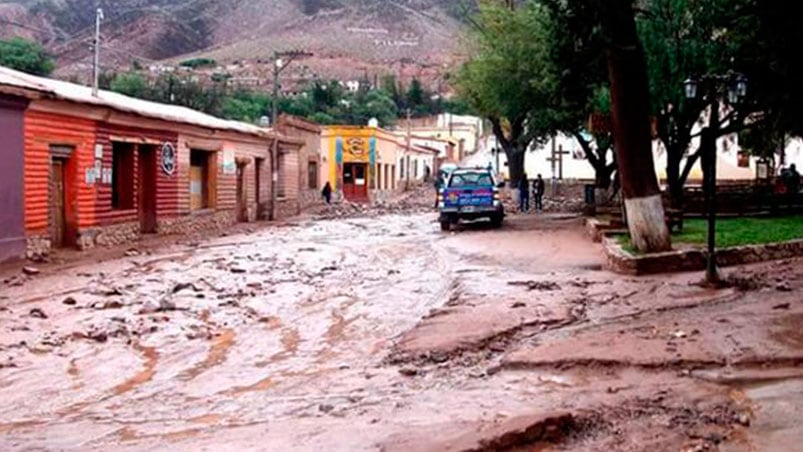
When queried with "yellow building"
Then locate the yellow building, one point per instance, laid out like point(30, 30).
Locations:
point(361, 163)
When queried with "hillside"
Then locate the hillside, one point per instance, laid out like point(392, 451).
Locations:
point(346, 36)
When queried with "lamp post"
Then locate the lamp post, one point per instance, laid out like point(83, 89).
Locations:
point(713, 90)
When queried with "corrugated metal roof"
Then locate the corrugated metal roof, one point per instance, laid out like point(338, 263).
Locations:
point(83, 94)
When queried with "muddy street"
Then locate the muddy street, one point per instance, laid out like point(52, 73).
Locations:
point(383, 333)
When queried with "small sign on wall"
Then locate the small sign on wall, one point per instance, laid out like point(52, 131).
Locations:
point(89, 176)
point(229, 165)
point(168, 159)
point(99, 151)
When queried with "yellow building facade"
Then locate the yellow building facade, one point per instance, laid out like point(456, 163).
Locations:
point(360, 163)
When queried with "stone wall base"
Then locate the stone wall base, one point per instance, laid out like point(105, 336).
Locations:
point(38, 246)
point(286, 208)
point(309, 198)
point(197, 222)
point(117, 234)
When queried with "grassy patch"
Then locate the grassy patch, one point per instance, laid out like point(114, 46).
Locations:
point(735, 232)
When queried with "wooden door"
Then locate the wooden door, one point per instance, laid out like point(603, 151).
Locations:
point(242, 194)
point(361, 182)
point(196, 188)
point(147, 189)
point(348, 181)
point(58, 225)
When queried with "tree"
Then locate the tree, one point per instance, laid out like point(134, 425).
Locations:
point(682, 38)
point(576, 63)
point(246, 106)
point(374, 104)
point(131, 84)
point(26, 56)
point(504, 80)
point(417, 99)
point(630, 107)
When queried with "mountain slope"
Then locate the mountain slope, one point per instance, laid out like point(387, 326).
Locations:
point(367, 33)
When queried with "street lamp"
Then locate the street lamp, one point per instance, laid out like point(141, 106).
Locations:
point(711, 89)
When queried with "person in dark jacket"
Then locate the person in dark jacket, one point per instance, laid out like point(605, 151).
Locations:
point(524, 193)
point(539, 187)
point(327, 193)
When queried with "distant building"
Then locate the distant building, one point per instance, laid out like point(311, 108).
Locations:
point(366, 164)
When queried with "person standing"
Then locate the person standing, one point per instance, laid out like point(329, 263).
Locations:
point(327, 193)
point(793, 178)
point(524, 193)
point(539, 187)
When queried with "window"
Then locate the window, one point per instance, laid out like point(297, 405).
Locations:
point(461, 180)
point(393, 176)
point(401, 168)
point(312, 175)
point(378, 169)
point(202, 179)
point(122, 176)
point(415, 168)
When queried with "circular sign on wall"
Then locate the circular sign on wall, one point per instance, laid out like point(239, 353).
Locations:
point(168, 159)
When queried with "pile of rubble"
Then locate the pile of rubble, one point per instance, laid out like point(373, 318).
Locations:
point(419, 199)
point(556, 204)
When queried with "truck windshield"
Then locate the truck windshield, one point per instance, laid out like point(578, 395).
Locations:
point(470, 180)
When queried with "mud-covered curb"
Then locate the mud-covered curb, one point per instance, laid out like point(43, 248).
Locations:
point(620, 261)
point(597, 229)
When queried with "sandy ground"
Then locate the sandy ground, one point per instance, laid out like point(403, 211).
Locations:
point(383, 333)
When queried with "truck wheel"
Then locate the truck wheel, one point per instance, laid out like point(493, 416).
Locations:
point(446, 225)
point(496, 221)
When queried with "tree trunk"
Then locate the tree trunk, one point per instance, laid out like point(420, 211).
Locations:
point(673, 178)
point(627, 70)
point(515, 164)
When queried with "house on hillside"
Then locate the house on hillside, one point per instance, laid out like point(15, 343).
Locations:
point(103, 170)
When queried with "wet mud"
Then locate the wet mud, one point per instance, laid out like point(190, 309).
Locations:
point(382, 333)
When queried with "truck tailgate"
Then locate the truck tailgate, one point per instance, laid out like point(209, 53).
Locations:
point(466, 199)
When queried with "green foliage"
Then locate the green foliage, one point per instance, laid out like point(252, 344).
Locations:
point(246, 106)
point(374, 104)
point(26, 56)
point(196, 63)
point(131, 84)
point(509, 74)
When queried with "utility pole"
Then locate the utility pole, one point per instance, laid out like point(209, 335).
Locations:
point(278, 66)
point(96, 61)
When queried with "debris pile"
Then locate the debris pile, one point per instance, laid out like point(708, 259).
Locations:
point(420, 199)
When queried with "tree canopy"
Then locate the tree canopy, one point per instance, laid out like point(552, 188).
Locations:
point(26, 56)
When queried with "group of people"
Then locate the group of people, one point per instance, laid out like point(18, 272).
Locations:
point(538, 187)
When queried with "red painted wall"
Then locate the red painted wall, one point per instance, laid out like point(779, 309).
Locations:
point(167, 191)
point(41, 131)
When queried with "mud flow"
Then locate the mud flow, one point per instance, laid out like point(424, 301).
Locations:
point(379, 332)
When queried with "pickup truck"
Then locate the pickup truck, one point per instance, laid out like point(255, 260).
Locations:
point(470, 194)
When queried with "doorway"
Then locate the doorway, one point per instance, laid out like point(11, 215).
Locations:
point(58, 226)
point(242, 194)
point(147, 189)
point(258, 164)
point(355, 186)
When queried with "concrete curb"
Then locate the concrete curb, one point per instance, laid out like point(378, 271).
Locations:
point(620, 261)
